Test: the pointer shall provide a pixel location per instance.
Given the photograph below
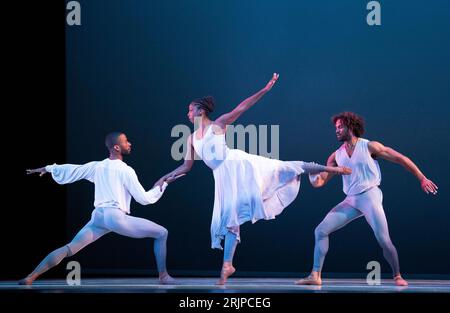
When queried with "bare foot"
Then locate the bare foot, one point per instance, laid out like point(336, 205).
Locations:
point(399, 281)
point(226, 272)
point(166, 279)
point(26, 281)
point(310, 280)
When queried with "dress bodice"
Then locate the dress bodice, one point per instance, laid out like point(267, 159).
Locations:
point(212, 148)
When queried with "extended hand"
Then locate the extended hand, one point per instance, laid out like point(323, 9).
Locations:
point(173, 178)
point(40, 170)
point(159, 183)
point(428, 186)
point(342, 170)
point(272, 82)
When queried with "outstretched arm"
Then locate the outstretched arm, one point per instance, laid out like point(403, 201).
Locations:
point(180, 170)
point(379, 150)
point(231, 117)
point(138, 192)
point(67, 173)
point(40, 170)
point(321, 179)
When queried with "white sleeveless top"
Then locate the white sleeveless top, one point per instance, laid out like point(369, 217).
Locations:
point(365, 170)
point(212, 148)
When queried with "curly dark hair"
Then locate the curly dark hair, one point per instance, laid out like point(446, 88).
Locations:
point(352, 121)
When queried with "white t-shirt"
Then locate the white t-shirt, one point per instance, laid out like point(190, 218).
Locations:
point(115, 183)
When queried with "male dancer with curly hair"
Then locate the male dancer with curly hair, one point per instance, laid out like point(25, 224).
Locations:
point(364, 198)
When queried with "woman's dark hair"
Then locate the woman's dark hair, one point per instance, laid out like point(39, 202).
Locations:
point(205, 103)
point(352, 121)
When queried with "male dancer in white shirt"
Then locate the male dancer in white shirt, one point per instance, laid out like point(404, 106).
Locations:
point(115, 184)
point(364, 198)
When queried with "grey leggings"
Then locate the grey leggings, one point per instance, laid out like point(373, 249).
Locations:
point(367, 204)
point(103, 221)
point(312, 167)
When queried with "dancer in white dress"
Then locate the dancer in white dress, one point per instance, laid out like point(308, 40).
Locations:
point(247, 187)
point(115, 184)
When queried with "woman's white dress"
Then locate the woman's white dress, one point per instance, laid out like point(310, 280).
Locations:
point(247, 187)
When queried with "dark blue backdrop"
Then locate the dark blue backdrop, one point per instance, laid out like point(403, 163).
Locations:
point(135, 65)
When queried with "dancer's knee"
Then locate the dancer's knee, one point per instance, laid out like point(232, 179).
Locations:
point(70, 250)
point(320, 232)
point(162, 233)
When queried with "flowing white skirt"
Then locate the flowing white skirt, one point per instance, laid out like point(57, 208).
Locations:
point(249, 188)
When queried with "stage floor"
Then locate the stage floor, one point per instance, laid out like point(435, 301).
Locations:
point(207, 285)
